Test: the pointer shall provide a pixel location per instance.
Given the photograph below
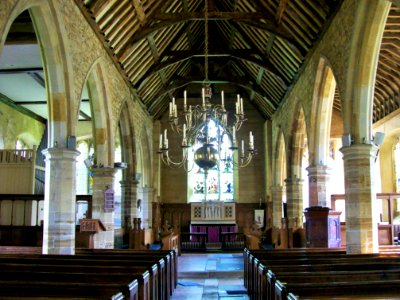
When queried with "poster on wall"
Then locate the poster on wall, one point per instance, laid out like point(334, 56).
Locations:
point(259, 217)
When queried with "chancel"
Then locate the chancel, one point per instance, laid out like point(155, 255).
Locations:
point(134, 134)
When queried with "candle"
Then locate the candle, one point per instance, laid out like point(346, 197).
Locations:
point(160, 141)
point(233, 134)
point(184, 100)
point(251, 139)
point(203, 97)
point(170, 109)
point(184, 131)
point(242, 148)
point(175, 111)
point(241, 105)
point(222, 99)
point(165, 139)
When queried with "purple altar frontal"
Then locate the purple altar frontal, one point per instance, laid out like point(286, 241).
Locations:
point(213, 232)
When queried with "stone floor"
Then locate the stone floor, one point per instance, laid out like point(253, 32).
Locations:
point(209, 276)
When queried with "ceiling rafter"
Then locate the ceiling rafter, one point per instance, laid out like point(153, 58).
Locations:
point(246, 55)
point(162, 20)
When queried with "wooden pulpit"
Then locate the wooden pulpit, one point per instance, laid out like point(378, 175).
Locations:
point(322, 227)
point(88, 228)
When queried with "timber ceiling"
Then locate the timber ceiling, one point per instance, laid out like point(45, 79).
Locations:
point(257, 48)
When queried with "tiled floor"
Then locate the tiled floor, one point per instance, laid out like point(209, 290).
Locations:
point(209, 276)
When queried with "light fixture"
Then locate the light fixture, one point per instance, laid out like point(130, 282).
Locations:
point(191, 123)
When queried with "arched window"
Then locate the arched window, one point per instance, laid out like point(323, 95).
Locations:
point(215, 183)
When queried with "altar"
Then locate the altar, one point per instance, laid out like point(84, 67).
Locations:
point(213, 221)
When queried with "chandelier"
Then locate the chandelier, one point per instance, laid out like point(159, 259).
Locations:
point(191, 123)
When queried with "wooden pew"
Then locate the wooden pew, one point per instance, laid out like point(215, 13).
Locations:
point(110, 262)
point(322, 277)
point(377, 289)
point(170, 271)
point(64, 273)
point(166, 261)
point(59, 285)
point(258, 263)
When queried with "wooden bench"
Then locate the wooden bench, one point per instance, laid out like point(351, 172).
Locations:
point(122, 264)
point(168, 274)
point(259, 262)
point(322, 277)
point(377, 289)
point(102, 275)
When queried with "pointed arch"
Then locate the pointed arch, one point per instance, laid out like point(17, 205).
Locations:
point(324, 90)
point(103, 134)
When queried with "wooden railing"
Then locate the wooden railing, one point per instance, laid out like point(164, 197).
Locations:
point(27, 210)
point(8, 156)
point(388, 232)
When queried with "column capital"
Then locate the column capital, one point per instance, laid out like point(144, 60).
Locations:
point(103, 171)
point(318, 170)
point(60, 154)
point(359, 151)
point(293, 180)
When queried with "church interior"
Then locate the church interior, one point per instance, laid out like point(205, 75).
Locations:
point(135, 132)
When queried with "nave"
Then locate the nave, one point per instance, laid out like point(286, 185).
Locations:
point(210, 276)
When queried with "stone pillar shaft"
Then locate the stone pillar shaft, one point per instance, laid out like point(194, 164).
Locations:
point(277, 195)
point(129, 197)
point(361, 221)
point(59, 202)
point(103, 179)
point(148, 194)
point(318, 178)
point(294, 200)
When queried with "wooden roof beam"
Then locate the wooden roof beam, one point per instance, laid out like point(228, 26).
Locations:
point(162, 20)
point(188, 55)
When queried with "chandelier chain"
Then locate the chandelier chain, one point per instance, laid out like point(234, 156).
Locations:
point(206, 41)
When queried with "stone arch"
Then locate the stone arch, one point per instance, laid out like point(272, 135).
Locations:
point(298, 144)
point(103, 134)
point(278, 189)
point(57, 70)
point(131, 178)
point(357, 104)
point(323, 97)
point(322, 109)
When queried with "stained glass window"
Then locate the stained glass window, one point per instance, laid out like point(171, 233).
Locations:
point(217, 182)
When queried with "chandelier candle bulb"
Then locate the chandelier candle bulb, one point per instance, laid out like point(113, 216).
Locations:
point(184, 131)
point(233, 135)
point(170, 109)
point(242, 148)
point(165, 139)
point(184, 100)
point(251, 139)
point(203, 97)
point(222, 99)
point(241, 106)
point(160, 146)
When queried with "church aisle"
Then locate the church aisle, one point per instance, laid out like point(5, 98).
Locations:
point(209, 276)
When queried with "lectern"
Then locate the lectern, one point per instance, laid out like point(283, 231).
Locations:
point(322, 227)
point(87, 230)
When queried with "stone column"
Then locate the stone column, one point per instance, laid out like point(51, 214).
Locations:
point(294, 200)
point(59, 201)
point(102, 179)
point(148, 195)
point(277, 195)
point(318, 178)
point(129, 190)
point(361, 221)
